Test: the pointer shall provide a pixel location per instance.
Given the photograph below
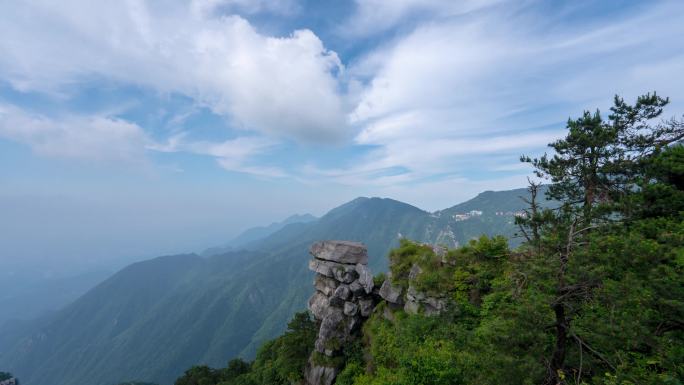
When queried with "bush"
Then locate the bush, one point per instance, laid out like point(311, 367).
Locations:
point(379, 279)
point(278, 361)
point(5, 376)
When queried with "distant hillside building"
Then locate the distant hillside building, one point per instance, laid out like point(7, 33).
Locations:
point(466, 216)
point(11, 381)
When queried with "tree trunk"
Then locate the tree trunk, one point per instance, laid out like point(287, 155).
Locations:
point(558, 357)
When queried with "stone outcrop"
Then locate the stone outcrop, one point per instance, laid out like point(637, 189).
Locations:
point(340, 252)
point(343, 298)
point(417, 301)
point(390, 292)
point(411, 300)
point(317, 374)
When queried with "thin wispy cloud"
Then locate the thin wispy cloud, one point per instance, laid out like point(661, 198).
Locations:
point(208, 8)
point(455, 91)
point(375, 16)
point(74, 136)
point(234, 154)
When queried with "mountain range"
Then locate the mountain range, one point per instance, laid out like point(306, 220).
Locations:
point(256, 233)
point(155, 318)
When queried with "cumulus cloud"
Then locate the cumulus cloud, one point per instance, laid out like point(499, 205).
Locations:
point(282, 86)
point(81, 137)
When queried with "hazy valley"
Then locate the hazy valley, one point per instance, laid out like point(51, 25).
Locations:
point(154, 318)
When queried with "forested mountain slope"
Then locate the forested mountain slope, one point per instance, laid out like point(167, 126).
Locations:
point(154, 318)
point(594, 295)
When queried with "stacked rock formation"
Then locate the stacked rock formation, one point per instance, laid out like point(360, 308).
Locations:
point(343, 297)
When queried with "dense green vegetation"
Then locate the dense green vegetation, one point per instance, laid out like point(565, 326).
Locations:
point(279, 361)
point(136, 383)
point(5, 376)
point(594, 296)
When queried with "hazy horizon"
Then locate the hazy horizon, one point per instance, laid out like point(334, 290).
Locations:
point(130, 130)
point(59, 249)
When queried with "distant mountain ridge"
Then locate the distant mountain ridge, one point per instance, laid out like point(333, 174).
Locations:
point(154, 319)
point(256, 233)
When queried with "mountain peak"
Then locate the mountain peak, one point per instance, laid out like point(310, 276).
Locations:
point(299, 218)
point(371, 204)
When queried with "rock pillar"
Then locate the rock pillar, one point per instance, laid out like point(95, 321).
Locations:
point(342, 300)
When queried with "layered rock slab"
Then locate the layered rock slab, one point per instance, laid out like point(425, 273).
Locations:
point(340, 252)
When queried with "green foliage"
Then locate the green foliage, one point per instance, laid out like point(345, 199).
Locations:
point(600, 162)
point(464, 274)
point(378, 279)
point(351, 373)
point(279, 361)
point(199, 375)
point(136, 383)
point(485, 337)
point(502, 334)
point(595, 295)
point(353, 363)
point(414, 350)
point(663, 194)
point(634, 317)
point(407, 254)
point(5, 376)
point(488, 248)
point(610, 247)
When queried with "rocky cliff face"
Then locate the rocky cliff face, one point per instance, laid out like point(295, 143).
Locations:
point(343, 298)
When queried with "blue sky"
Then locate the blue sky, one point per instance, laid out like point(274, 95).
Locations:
point(133, 128)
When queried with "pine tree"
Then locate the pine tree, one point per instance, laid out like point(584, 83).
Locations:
point(595, 172)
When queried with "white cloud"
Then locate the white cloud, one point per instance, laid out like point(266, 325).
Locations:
point(459, 88)
point(258, 171)
point(375, 16)
point(281, 86)
point(105, 138)
point(415, 160)
point(469, 95)
point(207, 8)
point(233, 155)
point(83, 137)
